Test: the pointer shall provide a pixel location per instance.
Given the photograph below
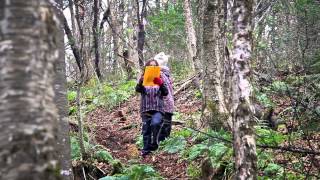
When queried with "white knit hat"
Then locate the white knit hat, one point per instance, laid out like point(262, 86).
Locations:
point(162, 59)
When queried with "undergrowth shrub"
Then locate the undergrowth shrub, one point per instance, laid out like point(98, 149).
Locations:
point(220, 152)
point(269, 136)
point(136, 172)
point(75, 147)
point(139, 141)
point(95, 95)
point(174, 144)
point(103, 155)
point(280, 87)
point(193, 171)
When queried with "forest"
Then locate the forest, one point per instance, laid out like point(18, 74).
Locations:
point(244, 77)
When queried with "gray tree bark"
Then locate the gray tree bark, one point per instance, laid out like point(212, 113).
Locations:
point(60, 89)
point(141, 14)
point(73, 45)
point(243, 133)
point(158, 5)
point(191, 36)
point(130, 55)
point(72, 16)
point(96, 35)
point(28, 115)
point(215, 111)
point(114, 24)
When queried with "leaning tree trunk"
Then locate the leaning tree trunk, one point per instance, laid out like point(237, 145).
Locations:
point(28, 115)
point(72, 42)
point(243, 133)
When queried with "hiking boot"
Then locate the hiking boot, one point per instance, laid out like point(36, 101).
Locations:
point(145, 153)
point(153, 147)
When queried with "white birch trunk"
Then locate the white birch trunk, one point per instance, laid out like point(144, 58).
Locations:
point(244, 140)
point(28, 115)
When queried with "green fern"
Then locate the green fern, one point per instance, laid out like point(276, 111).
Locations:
point(103, 156)
point(173, 145)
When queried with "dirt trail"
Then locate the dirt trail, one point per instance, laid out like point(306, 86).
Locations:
point(118, 130)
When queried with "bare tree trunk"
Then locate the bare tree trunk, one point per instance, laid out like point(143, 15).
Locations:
point(72, 42)
point(114, 25)
point(96, 34)
point(60, 89)
point(191, 36)
point(131, 45)
point(141, 32)
point(83, 44)
point(128, 64)
point(73, 24)
point(209, 68)
point(214, 108)
point(158, 5)
point(28, 115)
point(243, 133)
point(199, 29)
point(226, 80)
point(85, 21)
point(120, 21)
point(79, 17)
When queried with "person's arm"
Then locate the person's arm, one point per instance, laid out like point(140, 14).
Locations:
point(163, 88)
point(139, 87)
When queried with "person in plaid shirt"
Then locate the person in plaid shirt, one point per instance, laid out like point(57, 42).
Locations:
point(152, 109)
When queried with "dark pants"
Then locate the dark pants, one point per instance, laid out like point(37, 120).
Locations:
point(166, 126)
point(150, 130)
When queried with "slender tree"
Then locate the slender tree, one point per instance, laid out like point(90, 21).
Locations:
point(141, 14)
point(28, 115)
point(72, 16)
point(243, 133)
point(158, 5)
point(191, 35)
point(73, 44)
point(130, 51)
point(96, 34)
point(115, 27)
point(60, 99)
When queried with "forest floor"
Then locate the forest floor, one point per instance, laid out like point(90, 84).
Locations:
point(118, 131)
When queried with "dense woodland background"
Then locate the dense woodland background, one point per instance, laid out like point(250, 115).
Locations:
point(246, 77)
